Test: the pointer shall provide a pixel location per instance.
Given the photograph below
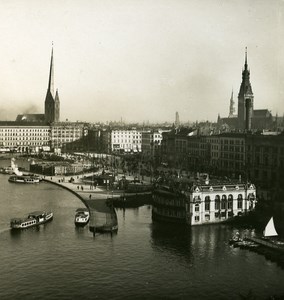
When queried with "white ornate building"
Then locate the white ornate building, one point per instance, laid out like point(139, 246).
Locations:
point(216, 202)
point(203, 203)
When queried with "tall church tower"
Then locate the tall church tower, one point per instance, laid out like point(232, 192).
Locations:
point(245, 99)
point(51, 105)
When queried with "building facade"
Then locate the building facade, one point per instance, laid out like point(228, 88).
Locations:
point(151, 145)
point(65, 133)
point(218, 202)
point(33, 138)
point(203, 203)
point(126, 141)
point(26, 138)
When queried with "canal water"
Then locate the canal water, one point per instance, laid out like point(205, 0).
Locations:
point(144, 260)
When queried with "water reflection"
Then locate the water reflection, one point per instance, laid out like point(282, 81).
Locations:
point(174, 238)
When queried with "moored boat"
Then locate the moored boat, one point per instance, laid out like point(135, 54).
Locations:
point(270, 238)
point(7, 170)
point(23, 179)
point(82, 216)
point(32, 219)
point(12, 169)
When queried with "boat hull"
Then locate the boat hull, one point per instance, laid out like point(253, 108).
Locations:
point(81, 222)
point(23, 179)
point(82, 217)
point(19, 224)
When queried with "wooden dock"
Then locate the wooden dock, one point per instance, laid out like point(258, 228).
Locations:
point(267, 244)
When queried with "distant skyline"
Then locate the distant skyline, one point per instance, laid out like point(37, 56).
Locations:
point(140, 60)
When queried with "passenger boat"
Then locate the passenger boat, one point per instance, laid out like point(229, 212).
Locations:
point(33, 219)
point(23, 179)
point(82, 216)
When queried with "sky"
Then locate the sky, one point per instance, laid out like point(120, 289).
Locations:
point(140, 60)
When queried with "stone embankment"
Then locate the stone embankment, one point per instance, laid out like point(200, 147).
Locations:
point(102, 215)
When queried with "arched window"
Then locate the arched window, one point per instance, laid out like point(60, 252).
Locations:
point(240, 201)
point(207, 203)
point(224, 202)
point(196, 207)
point(251, 198)
point(230, 201)
point(217, 202)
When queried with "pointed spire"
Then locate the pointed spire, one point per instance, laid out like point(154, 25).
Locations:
point(56, 98)
point(51, 75)
point(232, 103)
point(246, 59)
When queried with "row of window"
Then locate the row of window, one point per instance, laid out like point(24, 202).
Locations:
point(219, 205)
point(24, 143)
point(126, 142)
point(24, 130)
point(217, 216)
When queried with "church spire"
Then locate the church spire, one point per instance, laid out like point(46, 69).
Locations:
point(246, 59)
point(51, 75)
point(232, 105)
point(51, 107)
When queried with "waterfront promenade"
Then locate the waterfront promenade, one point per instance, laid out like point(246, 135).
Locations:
point(102, 215)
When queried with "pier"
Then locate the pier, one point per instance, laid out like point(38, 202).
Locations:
point(102, 213)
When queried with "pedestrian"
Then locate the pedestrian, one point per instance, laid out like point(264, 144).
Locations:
point(82, 188)
point(90, 196)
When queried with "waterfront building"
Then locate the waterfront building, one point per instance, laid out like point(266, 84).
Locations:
point(213, 202)
point(25, 138)
point(203, 202)
point(32, 137)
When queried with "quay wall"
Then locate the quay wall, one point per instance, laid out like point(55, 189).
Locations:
point(102, 216)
